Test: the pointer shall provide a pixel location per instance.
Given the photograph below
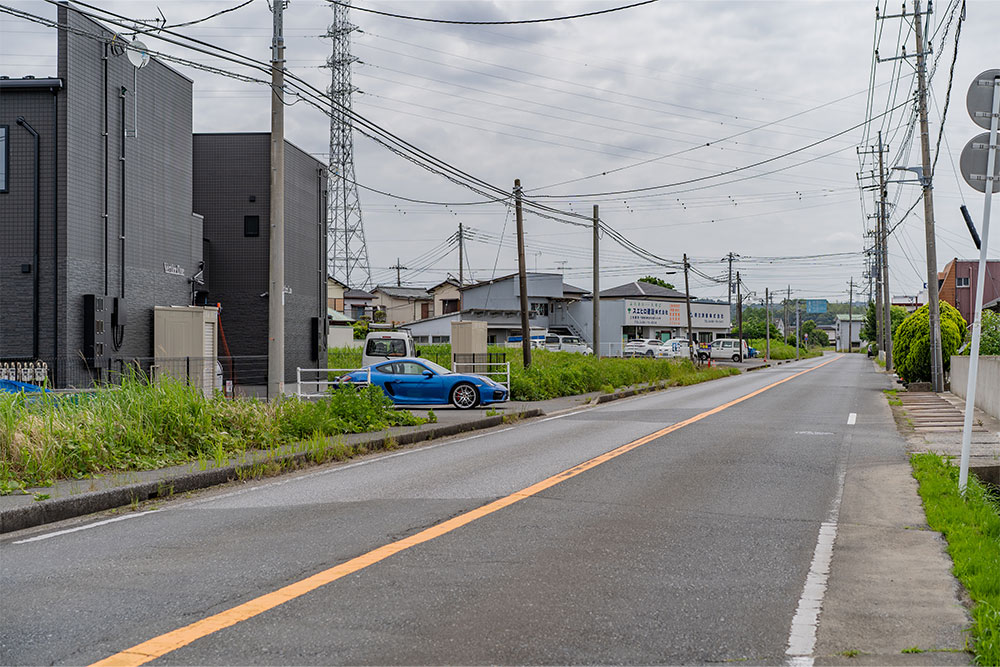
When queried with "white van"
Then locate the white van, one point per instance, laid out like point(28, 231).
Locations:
point(383, 345)
point(726, 348)
point(560, 343)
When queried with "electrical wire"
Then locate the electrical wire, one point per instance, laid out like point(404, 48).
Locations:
point(521, 22)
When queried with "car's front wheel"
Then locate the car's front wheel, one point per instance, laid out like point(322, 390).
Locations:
point(649, 353)
point(464, 396)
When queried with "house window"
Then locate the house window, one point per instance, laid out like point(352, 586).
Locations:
point(538, 309)
point(440, 339)
point(961, 282)
point(357, 312)
point(449, 306)
point(251, 225)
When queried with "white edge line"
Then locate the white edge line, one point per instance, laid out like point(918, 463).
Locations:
point(46, 536)
point(802, 634)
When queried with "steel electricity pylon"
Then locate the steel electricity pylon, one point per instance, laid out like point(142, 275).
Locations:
point(348, 253)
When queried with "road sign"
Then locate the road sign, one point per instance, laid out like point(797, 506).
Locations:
point(815, 306)
point(973, 163)
point(979, 100)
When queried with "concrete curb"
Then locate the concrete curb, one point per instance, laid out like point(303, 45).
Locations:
point(58, 509)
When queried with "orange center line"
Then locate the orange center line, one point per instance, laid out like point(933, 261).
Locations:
point(171, 641)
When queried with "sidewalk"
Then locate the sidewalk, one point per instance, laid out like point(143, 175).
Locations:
point(892, 598)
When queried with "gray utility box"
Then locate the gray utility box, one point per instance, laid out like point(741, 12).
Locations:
point(185, 345)
point(468, 346)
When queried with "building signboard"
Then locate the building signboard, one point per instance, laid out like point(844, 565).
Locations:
point(674, 314)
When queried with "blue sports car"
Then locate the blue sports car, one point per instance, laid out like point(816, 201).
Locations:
point(410, 381)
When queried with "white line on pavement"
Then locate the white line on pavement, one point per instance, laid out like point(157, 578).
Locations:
point(89, 525)
point(852, 418)
point(802, 635)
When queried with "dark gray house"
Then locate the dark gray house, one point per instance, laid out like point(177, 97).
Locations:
point(232, 191)
point(95, 199)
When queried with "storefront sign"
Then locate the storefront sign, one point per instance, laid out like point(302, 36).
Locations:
point(674, 314)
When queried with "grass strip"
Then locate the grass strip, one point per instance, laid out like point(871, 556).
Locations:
point(781, 350)
point(972, 528)
point(555, 374)
point(145, 425)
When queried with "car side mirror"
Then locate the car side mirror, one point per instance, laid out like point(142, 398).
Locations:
point(428, 374)
point(418, 353)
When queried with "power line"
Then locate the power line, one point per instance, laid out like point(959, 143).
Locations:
point(521, 22)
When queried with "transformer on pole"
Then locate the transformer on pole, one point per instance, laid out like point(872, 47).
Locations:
point(347, 260)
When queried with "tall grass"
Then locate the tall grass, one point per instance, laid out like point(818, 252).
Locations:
point(781, 350)
point(143, 425)
point(971, 525)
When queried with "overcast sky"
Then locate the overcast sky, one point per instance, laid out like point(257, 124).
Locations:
point(594, 105)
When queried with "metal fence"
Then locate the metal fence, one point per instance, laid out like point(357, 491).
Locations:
point(235, 376)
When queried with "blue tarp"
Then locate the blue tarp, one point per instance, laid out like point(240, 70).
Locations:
point(12, 387)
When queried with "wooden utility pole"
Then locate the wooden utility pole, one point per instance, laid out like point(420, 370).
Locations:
point(522, 277)
point(850, 314)
point(937, 363)
point(784, 321)
point(276, 279)
point(884, 245)
point(399, 267)
point(739, 312)
point(461, 244)
point(687, 298)
point(767, 324)
point(798, 330)
point(597, 285)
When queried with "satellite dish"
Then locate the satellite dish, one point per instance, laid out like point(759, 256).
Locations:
point(137, 54)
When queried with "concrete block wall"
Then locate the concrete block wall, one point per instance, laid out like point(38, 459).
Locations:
point(987, 382)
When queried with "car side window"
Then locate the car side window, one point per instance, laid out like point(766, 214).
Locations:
point(410, 368)
point(388, 369)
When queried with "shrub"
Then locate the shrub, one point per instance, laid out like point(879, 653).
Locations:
point(911, 345)
point(989, 341)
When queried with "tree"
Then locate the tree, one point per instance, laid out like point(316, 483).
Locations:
point(989, 339)
point(868, 329)
point(753, 324)
point(911, 346)
point(656, 281)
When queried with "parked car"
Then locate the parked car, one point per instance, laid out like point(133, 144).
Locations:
point(560, 343)
point(412, 381)
point(726, 348)
point(642, 347)
point(675, 347)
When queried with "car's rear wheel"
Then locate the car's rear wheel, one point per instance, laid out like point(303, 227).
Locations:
point(464, 396)
point(703, 356)
point(736, 357)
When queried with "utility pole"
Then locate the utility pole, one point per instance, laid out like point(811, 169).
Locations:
point(399, 267)
point(687, 298)
point(739, 312)
point(276, 279)
point(850, 315)
point(767, 324)
point(798, 331)
point(522, 277)
point(784, 320)
point(729, 258)
point(597, 285)
point(884, 245)
point(937, 362)
point(461, 243)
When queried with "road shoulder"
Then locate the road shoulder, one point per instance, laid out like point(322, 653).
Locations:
point(891, 592)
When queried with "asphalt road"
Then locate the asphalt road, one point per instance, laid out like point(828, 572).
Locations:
point(692, 547)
